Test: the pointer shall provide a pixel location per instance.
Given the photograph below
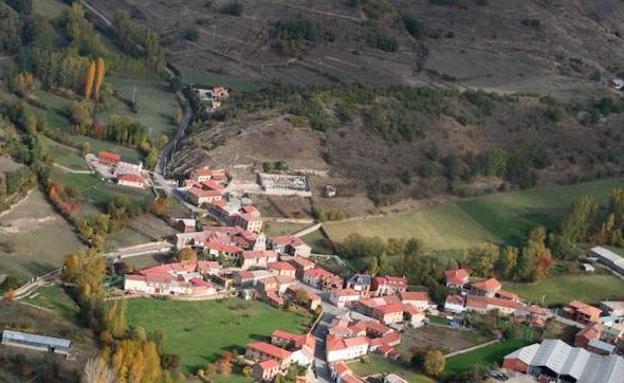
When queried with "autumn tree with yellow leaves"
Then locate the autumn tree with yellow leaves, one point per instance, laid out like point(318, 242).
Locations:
point(89, 81)
point(100, 72)
point(136, 361)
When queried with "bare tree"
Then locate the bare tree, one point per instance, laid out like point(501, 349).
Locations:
point(96, 371)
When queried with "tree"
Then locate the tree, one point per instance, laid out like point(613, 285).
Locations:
point(247, 371)
point(135, 361)
point(506, 261)
point(374, 267)
point(86, 269)
point(186, 254)
point(482, 259)
point(115, 318)
point(159, 206)
point(580, 218)
point(97, 371)
point(89, 81)
point(535, 259)
point(434, 362)
point(99, 76)
point(616, 205)
point(302, 296)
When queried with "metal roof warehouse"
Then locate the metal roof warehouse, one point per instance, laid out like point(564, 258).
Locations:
point(36, 342)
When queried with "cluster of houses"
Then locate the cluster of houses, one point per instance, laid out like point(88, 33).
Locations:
point(126, 171)
point(487, 295)
point(212, 97)
point(205, 187)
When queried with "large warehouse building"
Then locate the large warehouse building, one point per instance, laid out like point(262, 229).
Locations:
point(556, 360)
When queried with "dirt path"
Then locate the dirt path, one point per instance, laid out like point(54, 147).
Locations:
point(16, 204)
point(73, 171)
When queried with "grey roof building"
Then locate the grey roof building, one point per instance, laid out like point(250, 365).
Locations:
point(36, 342)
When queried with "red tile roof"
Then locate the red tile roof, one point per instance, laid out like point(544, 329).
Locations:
point(391, 280)
point(415, 296)
point(283, 266)
point(269, 349)
point(224, 247)
point(488, 285)
point(456, 276)
point(128, 177)
point(256, 254)
point(345, 292)
point(584, 308)
point(319, 273)
point(455, 299)
point(284, 240)
point(356, 341)
point(268, 364)
point(110, 156)
point(389, 309)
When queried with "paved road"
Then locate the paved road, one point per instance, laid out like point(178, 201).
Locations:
point(143, 249)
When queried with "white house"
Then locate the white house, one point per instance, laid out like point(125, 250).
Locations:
point(343, 297)
point(345, 349)
point(454, 304)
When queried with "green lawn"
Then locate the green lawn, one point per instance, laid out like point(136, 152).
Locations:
point(318, 241)
point(485, 356)
point(282, 228)
point(205, 78)
point(156, 104)
point(561, 289)
point(200, 331)
point(378, 364)
point(55, 298)
point(64, 155)
point(502, 217)
point(49, 8)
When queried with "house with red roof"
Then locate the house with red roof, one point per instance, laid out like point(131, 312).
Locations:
point(342, 373)
point(283, 269)
point(205, 192)
point(267, 370)
point(257, 259)
point(290, 245)
point(592, 331)
point(388, 285)
point(260, 351)
point(322, 279)
point(109, 158)
point(302, 265)
point(206, 174)
point(339, 349)
point(454, 304)
point(247, 221)
point(278, 284)
point(131, 180)
point(582, 312)
point(419, 300)
point(456, 278)
point(483, 304)
point(487, 288)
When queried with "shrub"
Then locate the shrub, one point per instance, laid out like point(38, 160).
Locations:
point(235, 9)
point(413, 26)
point(383, 41)
point(192, 35)
point(532, 23)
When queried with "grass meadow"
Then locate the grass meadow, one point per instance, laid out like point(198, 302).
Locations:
point(500, 218)
point(200, 331)
point(378, 364)
point(489, 355)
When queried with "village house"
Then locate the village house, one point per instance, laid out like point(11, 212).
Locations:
point(393, 378)
point(301, 265)
point(360, 283)
point(533, 315)
point(109, 158)
point(613, 308)
point(249, 222)
point(267, 370)
point(232, 235)
point(206, 174)
point(343, 297)
point(483, 304)
point(339, 349)
point(302, 346)
point(228, 251)
point(342, 373)
point(456, 278)
point(185, 225)
point(313, 300)
point(454, 304)
point(131, 180)
point(387, 310)
point(205, 193)
point(282, 269)
point(418, 299)
point(175, 279)
point(250, 278)
point(487, 288)
point(128, 166)
point(257, 258)
point(260, 351)
point(388, 285)
point(278, 284)
point(582, 312)
point(322, 279)
point(290, 245)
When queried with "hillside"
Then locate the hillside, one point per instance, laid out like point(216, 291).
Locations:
point(559, 47)
point(396, 143)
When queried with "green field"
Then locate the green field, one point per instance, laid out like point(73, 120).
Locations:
point(54, 298)
point(156, 104)
point(34, 239)
point(318, 241)
point(64, 155)
point(489, 355)
point(205, 78)
point(378, 364)
point(200, 331)
point(503, 217)
point(561, 289)
point(282, 228)
point(49, 8)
